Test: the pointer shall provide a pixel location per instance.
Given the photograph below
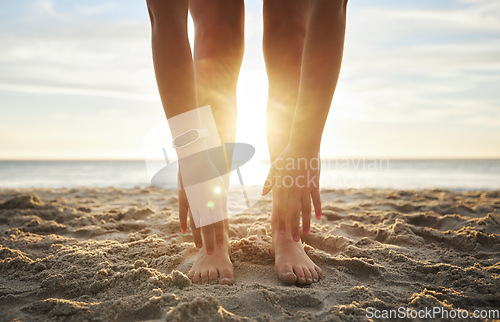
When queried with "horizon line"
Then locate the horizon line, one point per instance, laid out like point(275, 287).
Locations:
point(323, 158)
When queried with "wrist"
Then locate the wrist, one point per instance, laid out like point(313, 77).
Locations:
point(304, 146)
point(195, 168)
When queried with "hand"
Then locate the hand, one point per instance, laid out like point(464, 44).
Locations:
point(208, 231)
point(205, 203)
point(294, 179)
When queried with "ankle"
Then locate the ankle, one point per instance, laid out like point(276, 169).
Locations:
point(285, 236)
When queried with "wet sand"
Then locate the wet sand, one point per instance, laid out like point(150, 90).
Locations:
point(118, 254)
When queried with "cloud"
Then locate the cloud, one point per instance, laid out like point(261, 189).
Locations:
point(92, 56)
point(96, 9)
point(401, 66)
point(422, 64)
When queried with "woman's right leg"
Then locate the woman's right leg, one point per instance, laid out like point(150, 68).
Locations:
point(218, 53)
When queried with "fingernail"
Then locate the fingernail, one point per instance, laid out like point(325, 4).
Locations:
point(296, 238)
point(198, 245)
point(210, 252)
point(307, 231)
point(220, 243)
point(282, 230)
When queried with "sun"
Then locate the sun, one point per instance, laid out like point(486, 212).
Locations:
point(252, 101)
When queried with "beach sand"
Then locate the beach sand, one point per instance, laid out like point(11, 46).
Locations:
point(118, 254)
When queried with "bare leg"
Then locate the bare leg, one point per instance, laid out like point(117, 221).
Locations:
point(218, 53)
point(284, 33)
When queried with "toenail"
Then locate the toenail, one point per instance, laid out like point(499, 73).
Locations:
point(309, 280)
point(225, 280)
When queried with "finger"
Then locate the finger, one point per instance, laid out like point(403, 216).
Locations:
point(183, 212)
point(316, 198)
point(268, 185)
point(282, 206)
point(219, 233)
point(294, 216)
point(208, 237)
point(306, 214)
point(198, 241)
point(224, 204)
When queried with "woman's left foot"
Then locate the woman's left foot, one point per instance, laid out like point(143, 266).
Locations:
point(292, 264)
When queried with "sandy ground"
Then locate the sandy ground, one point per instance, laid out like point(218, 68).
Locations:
point(118, 254)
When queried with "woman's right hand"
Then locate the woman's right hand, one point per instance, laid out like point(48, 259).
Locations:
point(208, 208)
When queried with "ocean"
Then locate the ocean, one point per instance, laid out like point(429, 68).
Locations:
point(469, 174)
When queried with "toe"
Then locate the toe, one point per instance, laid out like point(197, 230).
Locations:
point(204, 277)
point(197, 278)
point(286, 274)
point(308, 276)
point(299, 272)
point(314, 274)
point(226, 277)
point(190, 274)
point(320, 272)
point(213, 276)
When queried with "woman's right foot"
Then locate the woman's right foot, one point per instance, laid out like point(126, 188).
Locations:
point(213, 269)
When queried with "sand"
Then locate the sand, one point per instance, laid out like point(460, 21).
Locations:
point(118, 254)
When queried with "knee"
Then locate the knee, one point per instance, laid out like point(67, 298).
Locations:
point(166, 14)
point(338, 6)
point(285, 21)
point(219, 24)
point(219, 31)
point(225, 34)
point(285, 29)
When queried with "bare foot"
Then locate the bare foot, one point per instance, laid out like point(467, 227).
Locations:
point(291, 262)
point(214, 269)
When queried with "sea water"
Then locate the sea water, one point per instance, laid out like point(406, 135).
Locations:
point(469, 174)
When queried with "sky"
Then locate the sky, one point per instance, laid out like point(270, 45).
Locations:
point(420, 79)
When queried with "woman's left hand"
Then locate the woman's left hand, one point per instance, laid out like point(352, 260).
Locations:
point(294, 177)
